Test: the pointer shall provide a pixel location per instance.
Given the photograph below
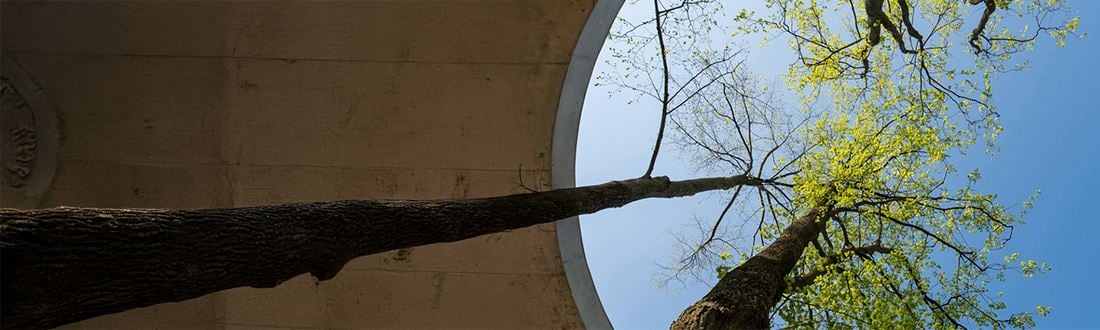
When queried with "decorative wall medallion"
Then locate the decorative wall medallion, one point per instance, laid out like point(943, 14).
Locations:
point(28, 138)
point(20, 136)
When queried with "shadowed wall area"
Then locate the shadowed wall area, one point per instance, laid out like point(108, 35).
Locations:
point(226, 104)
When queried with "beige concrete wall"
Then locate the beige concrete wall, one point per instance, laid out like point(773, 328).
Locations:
point(216, 104)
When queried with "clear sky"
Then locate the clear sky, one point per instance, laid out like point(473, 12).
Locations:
point(1051, 116)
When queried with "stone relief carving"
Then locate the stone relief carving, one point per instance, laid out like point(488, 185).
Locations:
point(21, 137)
point(29, 138)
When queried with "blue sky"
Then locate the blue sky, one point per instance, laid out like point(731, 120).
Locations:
point(1051, 142)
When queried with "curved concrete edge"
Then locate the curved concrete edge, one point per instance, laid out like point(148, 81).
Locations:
point(563, 157)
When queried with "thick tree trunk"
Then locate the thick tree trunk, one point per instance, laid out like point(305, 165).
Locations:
point(67, 264)
point(743, 298)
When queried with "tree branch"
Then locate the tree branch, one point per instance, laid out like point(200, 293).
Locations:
point(665, 100)
point(67, 264)
point(832, 259)
point(990, 7)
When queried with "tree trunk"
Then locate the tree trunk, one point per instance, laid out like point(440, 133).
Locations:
point(68, 264)
point(743, 298)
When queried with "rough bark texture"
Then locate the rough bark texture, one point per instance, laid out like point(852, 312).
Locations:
point(743, 298)
point(67, 264)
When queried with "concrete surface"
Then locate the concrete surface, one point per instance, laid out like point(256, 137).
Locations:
point(219, 104)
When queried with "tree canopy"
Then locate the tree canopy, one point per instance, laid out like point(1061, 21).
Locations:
point(867, 220)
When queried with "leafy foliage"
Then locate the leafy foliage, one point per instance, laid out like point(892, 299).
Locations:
point(888, 92)
point(881, 160)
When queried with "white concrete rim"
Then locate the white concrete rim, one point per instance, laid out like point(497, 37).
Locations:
point(563, 157)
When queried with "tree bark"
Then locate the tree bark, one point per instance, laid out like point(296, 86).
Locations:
point(67, 264)
point(743, 298)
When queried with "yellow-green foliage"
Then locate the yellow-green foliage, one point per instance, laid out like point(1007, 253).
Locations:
point(885, 132)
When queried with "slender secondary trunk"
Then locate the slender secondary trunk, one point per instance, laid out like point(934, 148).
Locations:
point(743, 298)
point(66, 264)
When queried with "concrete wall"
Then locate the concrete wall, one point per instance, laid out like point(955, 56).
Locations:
point(219, 104)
